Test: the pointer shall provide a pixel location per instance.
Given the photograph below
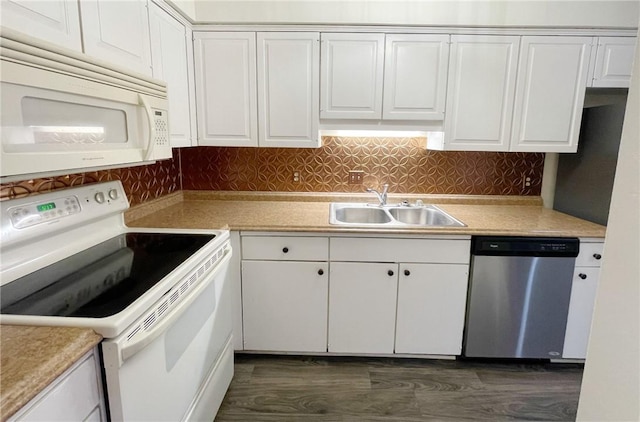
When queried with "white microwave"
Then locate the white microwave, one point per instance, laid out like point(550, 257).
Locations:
point(63, 112)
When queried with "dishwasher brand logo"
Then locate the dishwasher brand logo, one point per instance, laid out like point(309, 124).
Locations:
point(554, 353)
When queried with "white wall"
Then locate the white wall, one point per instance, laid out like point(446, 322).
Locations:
point(611, 382)
point(584, 13)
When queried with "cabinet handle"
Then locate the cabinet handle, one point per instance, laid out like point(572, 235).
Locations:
point(320, 271)
point(597, 256)
point(582, 276)
point(390, 272)
point(407, 272)
point(285, 249)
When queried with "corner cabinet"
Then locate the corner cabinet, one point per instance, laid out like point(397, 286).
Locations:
point(552, 81)
point(480, 92)
point(288, 89)
point(257, 89)
point(172, 55)
point(118, 32)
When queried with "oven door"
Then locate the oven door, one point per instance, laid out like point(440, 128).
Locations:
point(181, 367)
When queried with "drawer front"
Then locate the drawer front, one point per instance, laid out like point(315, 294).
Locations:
point(590, 255)
point(285, 248)
point(442, 251)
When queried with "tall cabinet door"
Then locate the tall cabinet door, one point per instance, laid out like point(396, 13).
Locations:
point(362, 307)
point(118, 32)
point(480, 92)
point(172, 58)
point(552, 83)
point(415, 76)
point(288, 88)
point(351, 76)
point(226, 88)
point(56, 21)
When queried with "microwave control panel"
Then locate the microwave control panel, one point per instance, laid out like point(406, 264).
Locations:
point(162, 128)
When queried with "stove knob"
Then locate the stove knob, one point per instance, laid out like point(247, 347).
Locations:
point(100, 197)
point(113, 194)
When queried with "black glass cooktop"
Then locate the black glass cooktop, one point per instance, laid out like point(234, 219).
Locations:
point(102, 280)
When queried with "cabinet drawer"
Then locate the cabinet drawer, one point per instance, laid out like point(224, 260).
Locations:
point(441, 251)
point(590, 255)
point(285, 248)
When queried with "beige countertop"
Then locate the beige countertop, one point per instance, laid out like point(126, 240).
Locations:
point(497, 215)
point(32, 357)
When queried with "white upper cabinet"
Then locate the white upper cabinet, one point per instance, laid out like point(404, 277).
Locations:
point(288, 88)
point(56, 21)
point(480, 92)
point(226, 96)
point(118, 32)
point(613, 62)
point(351, 76)
point(552, 80)
point(415, 76)
point(172, 55)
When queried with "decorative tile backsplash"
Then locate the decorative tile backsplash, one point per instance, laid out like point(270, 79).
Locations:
point(141, 183)
point(403, 163)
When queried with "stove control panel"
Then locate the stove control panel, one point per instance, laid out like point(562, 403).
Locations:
point(36, 212)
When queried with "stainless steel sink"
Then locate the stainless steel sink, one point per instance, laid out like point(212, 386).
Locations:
point(369, 215)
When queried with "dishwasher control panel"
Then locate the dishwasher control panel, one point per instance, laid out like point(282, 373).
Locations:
point(526, 246)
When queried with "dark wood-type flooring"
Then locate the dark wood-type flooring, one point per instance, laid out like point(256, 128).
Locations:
point(292, 388)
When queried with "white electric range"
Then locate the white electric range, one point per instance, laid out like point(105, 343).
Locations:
point(159, 297)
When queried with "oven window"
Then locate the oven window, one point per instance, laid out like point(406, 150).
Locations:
point(102, 280)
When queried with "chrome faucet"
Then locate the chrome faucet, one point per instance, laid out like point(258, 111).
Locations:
point(382, 196)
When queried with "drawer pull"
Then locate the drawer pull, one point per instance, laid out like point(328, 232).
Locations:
point(390, 272)
point(320, 271)
point(597, 256)
point(582, 276)
point(407, 272)
point(285, 249)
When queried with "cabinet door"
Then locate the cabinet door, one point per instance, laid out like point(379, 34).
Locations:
point(55, 21)
point(550, 93)
point(285, 306)
point(226, 95)
point(583, 295)
point(480, 92)
point(362, 307)
point(118, 32)
point(415, 77)
point(614, 62)
point(171, 63)
point(431, 307)
point(288, 89)
point(351, 76)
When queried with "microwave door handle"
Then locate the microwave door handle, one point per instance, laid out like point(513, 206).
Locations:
point(152, 127)
point(127, 351)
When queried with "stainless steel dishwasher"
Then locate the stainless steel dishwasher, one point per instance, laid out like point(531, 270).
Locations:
point(519, 294)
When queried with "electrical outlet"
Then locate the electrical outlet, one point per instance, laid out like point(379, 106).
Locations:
point(355, 177)
point(296, 176)
point(526, 181)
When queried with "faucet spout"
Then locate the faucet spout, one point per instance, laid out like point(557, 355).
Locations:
point(382, 196)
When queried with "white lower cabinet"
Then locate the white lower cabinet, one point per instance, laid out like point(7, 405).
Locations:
point(583, 296)
point(431, 308)
point(362, 307)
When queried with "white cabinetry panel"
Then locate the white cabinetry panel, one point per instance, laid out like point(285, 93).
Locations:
point(613, 62)
point(362, 307)
point(226, 88)
point(55, 21)
point(172, 57)
point(351, 76)
point(415, 76)
point(583, 295)
point(118, 31)
point(285, 305)
point(288, 88)
point(480, 93)
point(431, 308)
point(550, 94)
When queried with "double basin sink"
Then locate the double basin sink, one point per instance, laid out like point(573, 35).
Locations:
point(392, 216)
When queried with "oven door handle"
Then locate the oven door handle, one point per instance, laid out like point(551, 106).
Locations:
point(130, 349)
